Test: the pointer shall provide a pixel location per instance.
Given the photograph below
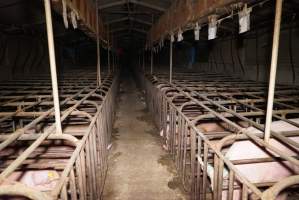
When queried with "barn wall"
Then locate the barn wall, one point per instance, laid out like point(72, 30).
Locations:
point(22, 56)
point(250, 57)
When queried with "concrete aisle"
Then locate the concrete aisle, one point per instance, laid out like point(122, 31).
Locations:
point(139, 169)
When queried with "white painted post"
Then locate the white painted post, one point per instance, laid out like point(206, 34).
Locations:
point(275, 48)
point(99, 81)
point(52, 59)
point(170, 61)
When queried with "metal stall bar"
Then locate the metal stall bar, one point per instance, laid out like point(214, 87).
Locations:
point(91, 156)
point(217, 91)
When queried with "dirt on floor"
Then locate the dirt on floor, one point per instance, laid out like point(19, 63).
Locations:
point(139, 169)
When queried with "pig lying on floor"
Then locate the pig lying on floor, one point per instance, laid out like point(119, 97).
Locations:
point(265, 171)
point(40, 180)
point(240, 150)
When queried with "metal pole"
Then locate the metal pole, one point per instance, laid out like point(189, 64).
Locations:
point(108, 49)
point(273, 69)
point(52, 59)
point(152, 56)
point(170, 62)
point(143, 60)
point(152, 61)
point(112, 55)
point(140, 60)
point(112, 61)
point(98, 48)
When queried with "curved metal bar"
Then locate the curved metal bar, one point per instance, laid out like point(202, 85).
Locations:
point(23, 190)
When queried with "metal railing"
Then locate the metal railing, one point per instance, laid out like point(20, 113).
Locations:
point(204, 118)
point(36, 161)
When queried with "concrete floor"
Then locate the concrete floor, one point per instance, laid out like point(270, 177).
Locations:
point(139, 169)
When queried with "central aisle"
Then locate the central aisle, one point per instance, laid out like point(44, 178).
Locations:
point(139, 169)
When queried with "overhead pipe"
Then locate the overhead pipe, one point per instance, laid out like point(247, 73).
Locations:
point(273, 69)
point(99, 81)
point(53, 65)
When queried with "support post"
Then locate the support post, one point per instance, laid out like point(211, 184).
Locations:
point(99, 81)
point(108, 51)
point(170, 61)
point(152, 56)
point(139, 60)
point(143, 60)
point(152, 61)
point(275, 47)
point(112, 55)
point(52, 59)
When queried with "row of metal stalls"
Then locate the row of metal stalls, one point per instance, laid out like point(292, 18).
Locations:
point(56, 131)
point(228, 138)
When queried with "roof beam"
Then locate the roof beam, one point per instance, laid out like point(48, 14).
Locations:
point(112, 4)
point(126, 29)
point(130, 35)
point(128, 18)
point(144, 4)
point(116, 20)
point(122, 2)
point(143, 21)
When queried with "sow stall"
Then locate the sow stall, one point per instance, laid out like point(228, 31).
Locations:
point(213, 126)
point(37, 162)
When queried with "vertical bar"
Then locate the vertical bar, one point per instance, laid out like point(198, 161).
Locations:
point(273, 69)
point(52, 59)
point(216, 183)
point(139, 60)
point(170, 62)
point(199, 172)
point(143, 60)
point(244, 192)
point(108, 50)
point(98, 48)
point(152, 61)
point(205, 174)
point(73, 187)
point(193, 163)
point(152, 56)
point(113, 63)
point(231, 185)
point(63, 194)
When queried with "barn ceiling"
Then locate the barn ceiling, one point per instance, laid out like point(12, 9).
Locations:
point(130, 20)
